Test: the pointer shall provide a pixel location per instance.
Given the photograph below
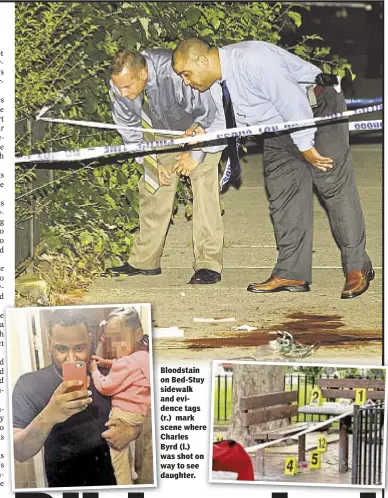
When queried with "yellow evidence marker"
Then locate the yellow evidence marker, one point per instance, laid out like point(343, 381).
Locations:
point(322, 444)
point(316, 398)
point(315, 460)
point(360, 396)
point(290, 466)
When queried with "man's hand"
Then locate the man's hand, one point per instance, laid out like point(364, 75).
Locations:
point(185, 164)
point(63, 404)
point(119, 435)
point(315, 158)
point(195, 129)
point(164, 176)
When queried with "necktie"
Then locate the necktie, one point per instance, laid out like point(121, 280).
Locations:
point(234, 162)
point(151, 175)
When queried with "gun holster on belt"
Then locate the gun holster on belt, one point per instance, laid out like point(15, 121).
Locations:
point(321, 80)
point(311, 96)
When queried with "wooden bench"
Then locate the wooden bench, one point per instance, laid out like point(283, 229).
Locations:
point(345, 388)
point(335, 389)
point(267, 408)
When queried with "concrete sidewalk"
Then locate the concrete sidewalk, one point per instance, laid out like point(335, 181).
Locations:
point(349, 330)
point(274, 461)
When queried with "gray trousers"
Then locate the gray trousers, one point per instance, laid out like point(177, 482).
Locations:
point(155, 216)
point(289, 180)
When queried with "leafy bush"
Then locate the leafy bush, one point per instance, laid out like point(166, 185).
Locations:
point(62, 56)
point(63, 52)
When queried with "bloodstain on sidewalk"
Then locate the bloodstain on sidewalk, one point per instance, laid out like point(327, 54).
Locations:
point(305, 328)
point(304, 321)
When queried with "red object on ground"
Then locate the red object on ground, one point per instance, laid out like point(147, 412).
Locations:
point(230, 456)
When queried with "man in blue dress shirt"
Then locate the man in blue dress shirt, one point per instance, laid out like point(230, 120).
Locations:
point(148, 76)
point(269, 85)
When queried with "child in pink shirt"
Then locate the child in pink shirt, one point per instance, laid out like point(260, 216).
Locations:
point(128, 381)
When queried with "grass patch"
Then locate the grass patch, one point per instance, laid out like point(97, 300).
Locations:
point(223, 400)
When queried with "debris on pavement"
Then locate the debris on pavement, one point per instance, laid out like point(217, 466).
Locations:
point(245, 328)
point(287, 346)
point(213, 320)
point(167, 332)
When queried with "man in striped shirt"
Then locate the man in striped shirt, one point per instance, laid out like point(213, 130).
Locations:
point(148, 75)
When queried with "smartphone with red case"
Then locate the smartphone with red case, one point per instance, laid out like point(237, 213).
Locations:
point(75, 370)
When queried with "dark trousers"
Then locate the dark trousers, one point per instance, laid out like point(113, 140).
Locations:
point(289, 180)
point(92, 468)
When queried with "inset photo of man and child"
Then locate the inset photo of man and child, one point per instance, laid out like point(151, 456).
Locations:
point(82, 396)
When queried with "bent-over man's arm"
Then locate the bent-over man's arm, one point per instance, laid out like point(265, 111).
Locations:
point(209, 115)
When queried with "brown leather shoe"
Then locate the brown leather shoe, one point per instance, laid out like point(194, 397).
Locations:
point(276, 284)
point(357, 282)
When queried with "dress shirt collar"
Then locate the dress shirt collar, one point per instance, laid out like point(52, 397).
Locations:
point(152, 81)
point(226, 70)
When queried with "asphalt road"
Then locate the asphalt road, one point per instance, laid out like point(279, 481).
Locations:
point(349, 331)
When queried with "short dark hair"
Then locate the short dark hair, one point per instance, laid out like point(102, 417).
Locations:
point(186, 48)
point(66, 318)
point(127, 59)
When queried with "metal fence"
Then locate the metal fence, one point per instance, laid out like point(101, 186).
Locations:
point(304, 384)
point(28, 233)
point(223, 398)
point(368, 438)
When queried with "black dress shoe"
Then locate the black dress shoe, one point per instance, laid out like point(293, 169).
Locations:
point(205, 276)
point(127, 269)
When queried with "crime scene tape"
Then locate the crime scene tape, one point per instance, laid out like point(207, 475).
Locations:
point(366, 125)
point(376, 124)
point(313, 428)
point(109, 126)
point(355, 126)
point(354, 102)
point(93, 152)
